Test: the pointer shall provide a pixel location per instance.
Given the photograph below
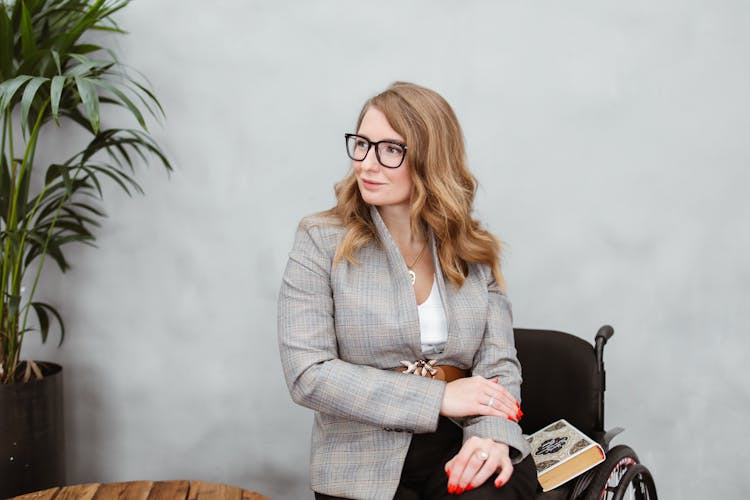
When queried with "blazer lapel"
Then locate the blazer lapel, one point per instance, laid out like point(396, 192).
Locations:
point(407, 300)
point(443, 289)
point(408, 303)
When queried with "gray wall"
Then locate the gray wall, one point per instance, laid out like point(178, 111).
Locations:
point(610, 141)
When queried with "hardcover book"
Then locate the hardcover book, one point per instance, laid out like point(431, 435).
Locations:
point(562, 452)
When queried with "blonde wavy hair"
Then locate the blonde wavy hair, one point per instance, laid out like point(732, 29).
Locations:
point(444, 188)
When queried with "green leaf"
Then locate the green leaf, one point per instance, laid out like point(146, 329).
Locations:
point(88, 66)
point(41, 309)
point(4, 186)
point(58, 41)
point(124, 99)
point(58, 83)
point(79, 22)
point(28, 39)
point(56, 58)
point(90, 100)
point(27, 100)
point(9, 88)
point(14, 303)
point(43, 318)
point(124, 156)
point(152, 97)
point(56, 170)
point(94, 210)
point(76, 116)
point(6, 46)
point(69, 213)
point(118, 177)
point(52, 249)
point(15, 18)
point(85, 48)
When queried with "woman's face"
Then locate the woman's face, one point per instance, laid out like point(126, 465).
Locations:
point(379, 185)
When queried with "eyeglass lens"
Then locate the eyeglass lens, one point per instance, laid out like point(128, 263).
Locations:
point(389, 154)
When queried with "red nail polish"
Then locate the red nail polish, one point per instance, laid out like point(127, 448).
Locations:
point(448, 472)
point(459, 490)
point(498, 484)
point(512, 419)
point(451, 488)
point(469, 488)
point(518, 405)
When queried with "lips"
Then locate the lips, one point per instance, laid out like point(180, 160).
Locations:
point(371, 184)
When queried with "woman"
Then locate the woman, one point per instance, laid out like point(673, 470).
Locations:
point(398, 275)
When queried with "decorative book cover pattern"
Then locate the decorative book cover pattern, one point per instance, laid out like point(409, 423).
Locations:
point(556, 443)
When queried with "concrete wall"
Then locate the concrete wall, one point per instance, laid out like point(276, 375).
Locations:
point(610, 141)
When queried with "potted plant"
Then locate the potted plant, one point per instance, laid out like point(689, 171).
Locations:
point(54, 75)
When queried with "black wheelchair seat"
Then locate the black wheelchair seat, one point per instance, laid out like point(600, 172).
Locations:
point(564, 377)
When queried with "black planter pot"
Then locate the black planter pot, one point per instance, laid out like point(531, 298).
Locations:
point(31, 434)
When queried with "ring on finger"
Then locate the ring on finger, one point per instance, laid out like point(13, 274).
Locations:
point(482, 455)
point(491, 401)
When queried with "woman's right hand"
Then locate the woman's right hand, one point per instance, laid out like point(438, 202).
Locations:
point(477, 395)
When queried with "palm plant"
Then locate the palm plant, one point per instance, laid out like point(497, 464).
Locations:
point(54, 73)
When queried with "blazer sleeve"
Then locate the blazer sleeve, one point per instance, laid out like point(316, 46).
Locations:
point(496, 357)
point(316, 377)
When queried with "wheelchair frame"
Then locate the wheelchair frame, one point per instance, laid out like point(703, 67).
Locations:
point(621, 473)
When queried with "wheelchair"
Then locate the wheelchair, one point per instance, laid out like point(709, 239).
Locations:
point(563, 377)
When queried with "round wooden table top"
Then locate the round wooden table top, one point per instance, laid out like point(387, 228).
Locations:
point(142, 490)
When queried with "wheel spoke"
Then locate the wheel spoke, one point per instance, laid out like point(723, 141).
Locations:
point(615, 478)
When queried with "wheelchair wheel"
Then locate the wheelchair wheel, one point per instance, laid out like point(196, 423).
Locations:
point(621, 476)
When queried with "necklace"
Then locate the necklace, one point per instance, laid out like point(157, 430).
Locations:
point(412, 274)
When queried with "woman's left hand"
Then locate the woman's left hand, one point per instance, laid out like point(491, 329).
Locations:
point(477, 460)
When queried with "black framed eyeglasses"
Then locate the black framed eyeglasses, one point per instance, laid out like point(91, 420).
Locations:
point(389, 154)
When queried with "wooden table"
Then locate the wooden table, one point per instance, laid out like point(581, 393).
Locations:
point(142, 490)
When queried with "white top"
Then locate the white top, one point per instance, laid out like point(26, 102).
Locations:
point(432, 322)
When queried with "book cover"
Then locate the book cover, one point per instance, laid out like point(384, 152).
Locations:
point(562, 452)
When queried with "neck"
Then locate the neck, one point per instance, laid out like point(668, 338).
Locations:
point(397, 221)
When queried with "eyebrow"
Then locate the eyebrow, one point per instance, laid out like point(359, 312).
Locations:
point(394, 141)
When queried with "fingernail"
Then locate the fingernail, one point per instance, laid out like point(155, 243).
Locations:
point(459, 490)
point(451, 488)
point(518, 405)
point(448, 472)
point(469, 488)
point(511, 419)
point(498, 484)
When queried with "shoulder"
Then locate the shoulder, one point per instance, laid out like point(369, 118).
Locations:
point(321, 229)
point(322, 224)
point(481, 272)
point(320, 220)
point(484, 273)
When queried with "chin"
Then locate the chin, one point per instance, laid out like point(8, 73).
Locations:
point(371, 200)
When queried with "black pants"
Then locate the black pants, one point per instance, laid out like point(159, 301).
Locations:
point(423, 476)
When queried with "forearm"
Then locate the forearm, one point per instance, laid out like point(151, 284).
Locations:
point(501, 430)
point(369, 395)
point(496, 357)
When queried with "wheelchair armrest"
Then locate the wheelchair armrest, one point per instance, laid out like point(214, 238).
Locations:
point(606, 438)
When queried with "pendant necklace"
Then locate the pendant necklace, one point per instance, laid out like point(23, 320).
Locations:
point(412, 274)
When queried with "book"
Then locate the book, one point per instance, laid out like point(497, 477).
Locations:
point(562, 452)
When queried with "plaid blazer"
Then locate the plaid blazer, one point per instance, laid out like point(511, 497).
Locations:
point(340, 328)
